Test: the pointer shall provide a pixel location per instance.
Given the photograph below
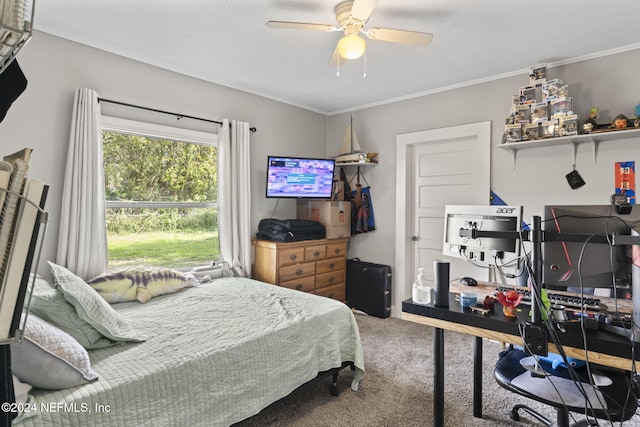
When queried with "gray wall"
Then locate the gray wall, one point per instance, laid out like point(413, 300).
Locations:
point(40, 118)
point(539, 177)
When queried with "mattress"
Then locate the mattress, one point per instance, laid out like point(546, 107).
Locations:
point(216, 354)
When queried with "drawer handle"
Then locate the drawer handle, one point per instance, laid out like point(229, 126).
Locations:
point(292, 257)
point(330, 295)
point(332, 279)
point(298, 286)
point(298, 272)
point(316, 254)
point(332, 265)
point(337, 251)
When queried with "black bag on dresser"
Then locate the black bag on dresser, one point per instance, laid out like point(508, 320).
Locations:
point(290, 230)
point(368, 287)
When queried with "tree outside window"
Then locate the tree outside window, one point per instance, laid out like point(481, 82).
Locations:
point(161, 195)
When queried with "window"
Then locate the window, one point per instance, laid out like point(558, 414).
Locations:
point(161, 188)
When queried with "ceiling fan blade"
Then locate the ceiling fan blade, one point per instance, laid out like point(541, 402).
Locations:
point(335, 58)
point(362, 9)
point(301, 26)
point(400, 36)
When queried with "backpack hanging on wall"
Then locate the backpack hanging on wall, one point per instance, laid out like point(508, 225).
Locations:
point(362, 220)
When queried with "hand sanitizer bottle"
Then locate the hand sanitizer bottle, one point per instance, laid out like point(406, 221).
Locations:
point(421, 293)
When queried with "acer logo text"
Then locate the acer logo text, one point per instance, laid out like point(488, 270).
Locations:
point(505, 210)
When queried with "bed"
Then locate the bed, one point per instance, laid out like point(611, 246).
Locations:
point(213, 354)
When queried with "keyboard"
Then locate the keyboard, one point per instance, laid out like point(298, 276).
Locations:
point(619, 324)
point(620, 320)
point(569, 301)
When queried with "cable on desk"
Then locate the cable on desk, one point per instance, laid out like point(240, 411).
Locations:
point(555, 338)
point(551, 329)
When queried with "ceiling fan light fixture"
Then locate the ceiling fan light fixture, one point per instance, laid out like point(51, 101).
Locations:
point(351, 46)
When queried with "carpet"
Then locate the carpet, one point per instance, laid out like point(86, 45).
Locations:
point(397, 388)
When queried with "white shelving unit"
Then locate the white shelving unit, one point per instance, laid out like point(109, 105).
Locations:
point(593, 139)
point(365, 164)
point(16, 22)
point(362, 167)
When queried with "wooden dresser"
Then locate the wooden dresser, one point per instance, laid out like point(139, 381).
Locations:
point(316, 266)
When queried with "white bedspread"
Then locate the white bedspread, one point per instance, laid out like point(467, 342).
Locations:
point(216, 354)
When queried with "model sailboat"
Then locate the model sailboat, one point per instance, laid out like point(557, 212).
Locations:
point(350, 152)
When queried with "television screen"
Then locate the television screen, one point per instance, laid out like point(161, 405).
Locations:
point(300, 178)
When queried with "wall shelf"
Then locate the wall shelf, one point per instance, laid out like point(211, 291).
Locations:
point(594, 139)
point(366, 164)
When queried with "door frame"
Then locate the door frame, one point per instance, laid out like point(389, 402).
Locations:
point(405, 144)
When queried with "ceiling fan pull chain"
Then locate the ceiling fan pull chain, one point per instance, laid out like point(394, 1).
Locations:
point(338, 68)
point(364, 73)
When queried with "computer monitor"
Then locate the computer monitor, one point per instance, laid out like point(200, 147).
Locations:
point(589, 262)
point(635, 280)
point(482, 250)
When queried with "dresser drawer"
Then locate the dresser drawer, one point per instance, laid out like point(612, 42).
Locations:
point(336, 292)
point(331, 264)
point(329, 279)
point(296, 271)
point(314, 253)
point(336, 249)
point(304, 284)
point(291, 256)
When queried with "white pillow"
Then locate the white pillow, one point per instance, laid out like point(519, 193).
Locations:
point(49, 303)
point(21, 390)
point(50, 358)
point(92, 308)
point(24, 401)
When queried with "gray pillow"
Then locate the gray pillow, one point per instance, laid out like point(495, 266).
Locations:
point(50, 358)
point(91, 307)
point(50, 304)
point(25, 402)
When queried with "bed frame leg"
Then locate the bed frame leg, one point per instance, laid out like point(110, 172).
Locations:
point(334, 384)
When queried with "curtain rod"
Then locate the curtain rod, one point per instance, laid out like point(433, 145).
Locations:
point(179, 116)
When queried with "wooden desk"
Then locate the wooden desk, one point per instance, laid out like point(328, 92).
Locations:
point(604, 348)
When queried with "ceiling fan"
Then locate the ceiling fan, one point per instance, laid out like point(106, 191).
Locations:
point(352, 16)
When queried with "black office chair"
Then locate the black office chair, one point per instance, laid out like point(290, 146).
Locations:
point(612, 400)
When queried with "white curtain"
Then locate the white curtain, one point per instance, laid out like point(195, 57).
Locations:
point(82, 241)
point(234, 196)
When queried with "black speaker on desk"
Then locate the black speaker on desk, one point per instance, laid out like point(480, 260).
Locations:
point(441, 282)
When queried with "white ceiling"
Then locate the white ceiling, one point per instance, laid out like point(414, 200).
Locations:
point(227, 42)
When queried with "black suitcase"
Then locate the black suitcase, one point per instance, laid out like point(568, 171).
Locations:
point(290, 230)
point(368, 287)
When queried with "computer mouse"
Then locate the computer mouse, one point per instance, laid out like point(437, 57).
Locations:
point(468, 281)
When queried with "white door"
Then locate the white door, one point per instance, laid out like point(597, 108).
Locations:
point(435, 168)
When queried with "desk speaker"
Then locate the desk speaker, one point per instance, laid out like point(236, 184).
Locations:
point(441, 282)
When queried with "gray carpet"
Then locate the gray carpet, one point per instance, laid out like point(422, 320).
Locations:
point(397, 389)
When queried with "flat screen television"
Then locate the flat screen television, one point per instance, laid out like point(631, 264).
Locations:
point(299, 177)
